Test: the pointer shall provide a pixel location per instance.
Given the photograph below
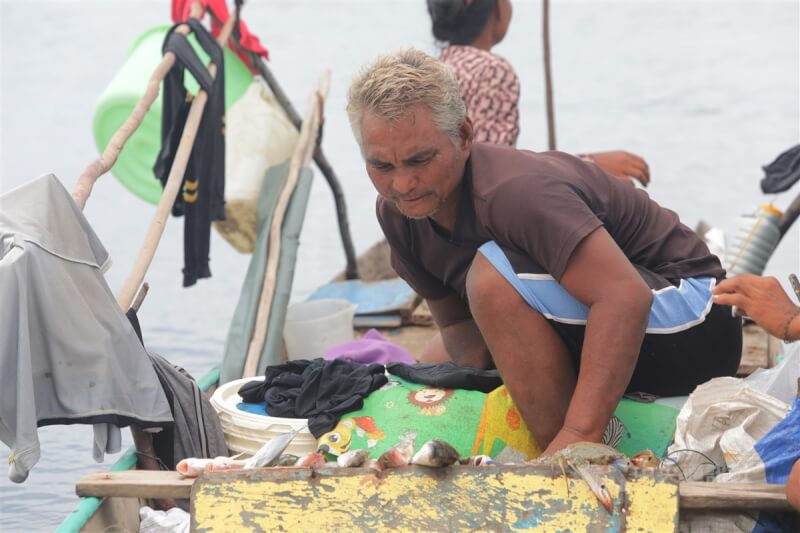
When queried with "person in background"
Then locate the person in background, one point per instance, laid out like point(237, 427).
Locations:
point(488, 83)
point(764, 300)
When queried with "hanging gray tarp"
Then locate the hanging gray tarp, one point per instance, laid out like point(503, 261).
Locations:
point(67, 352)
point(243, 321)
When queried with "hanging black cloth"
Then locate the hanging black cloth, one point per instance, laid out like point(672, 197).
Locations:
point(319, 390)
point(783, 172)
point(447, 376)
point(203, 189)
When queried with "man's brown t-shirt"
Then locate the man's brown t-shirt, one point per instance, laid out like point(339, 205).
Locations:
point(538, 208)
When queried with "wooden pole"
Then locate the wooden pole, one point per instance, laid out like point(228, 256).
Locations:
point(142, 440)
point(351, 266)
point(171, 188)
point(789, 216)
point(300, 158)
point(548, 76)
point(101, 165)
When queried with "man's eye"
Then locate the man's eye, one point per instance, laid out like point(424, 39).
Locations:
point(382, 166)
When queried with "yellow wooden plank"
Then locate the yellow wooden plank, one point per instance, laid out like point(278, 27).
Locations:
point(421, 499)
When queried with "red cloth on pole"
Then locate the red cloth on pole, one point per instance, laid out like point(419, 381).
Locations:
point(247, 40)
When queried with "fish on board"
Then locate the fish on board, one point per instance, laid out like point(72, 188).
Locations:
point(270, 452)
point(396, 456)
point(436, 453)
point(352, 459)
point(478, 460)
point(287, 459)
point(646, 459)
point(311, 460)
point(194, 466)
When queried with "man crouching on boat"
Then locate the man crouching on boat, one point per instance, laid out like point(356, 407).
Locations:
point(577, 286)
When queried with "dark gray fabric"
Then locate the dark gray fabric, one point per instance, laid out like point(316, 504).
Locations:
point(197, 431)
point(68, 355)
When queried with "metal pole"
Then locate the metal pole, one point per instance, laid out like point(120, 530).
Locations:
point(548, 76)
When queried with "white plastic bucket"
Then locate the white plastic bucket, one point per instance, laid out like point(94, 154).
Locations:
point(314, 326)
point(247, 432)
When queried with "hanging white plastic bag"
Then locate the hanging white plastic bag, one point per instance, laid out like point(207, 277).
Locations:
point(258, 135)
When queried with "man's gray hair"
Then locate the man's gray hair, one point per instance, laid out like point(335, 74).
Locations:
point(395, 82)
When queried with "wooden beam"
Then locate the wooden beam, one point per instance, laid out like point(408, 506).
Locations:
point(692, 494)
point(154, 484)
point(732, 496)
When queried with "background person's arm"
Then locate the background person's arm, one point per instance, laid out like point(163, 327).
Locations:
point(601, 276)
point(621, 164)
point(764, 300)
point(459, 339)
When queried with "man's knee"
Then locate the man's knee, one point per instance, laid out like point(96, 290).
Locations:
point(485, 286)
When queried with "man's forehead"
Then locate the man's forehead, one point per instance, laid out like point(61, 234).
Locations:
point(405, 137)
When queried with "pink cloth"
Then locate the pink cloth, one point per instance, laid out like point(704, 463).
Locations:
point(369, 349)
point(490, 89)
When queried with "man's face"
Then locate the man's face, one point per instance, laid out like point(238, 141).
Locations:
point(413, 163)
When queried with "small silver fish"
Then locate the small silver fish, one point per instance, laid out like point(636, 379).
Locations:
point(436, 453)
point(353, 458)
point(269, 454)
point(287, 459)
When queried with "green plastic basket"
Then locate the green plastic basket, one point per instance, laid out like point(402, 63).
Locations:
point(134, 167)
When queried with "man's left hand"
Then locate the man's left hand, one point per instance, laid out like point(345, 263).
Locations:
point(623, 165)
point(564, 438)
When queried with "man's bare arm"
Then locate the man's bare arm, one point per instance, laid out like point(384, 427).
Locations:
point(459, 338)
point(599, 275)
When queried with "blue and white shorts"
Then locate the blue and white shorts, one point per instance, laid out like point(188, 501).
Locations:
point(688, 340)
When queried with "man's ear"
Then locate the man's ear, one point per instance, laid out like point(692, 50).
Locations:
point(466, 133)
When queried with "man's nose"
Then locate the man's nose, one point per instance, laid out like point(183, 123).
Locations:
point(403, 183)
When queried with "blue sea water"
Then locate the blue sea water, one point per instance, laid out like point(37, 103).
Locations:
point(706, 91)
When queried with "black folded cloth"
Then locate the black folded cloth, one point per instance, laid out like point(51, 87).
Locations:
point(447, 376)
point(319, 390)
point(783, 172)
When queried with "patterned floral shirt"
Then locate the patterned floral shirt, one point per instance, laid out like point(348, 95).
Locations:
point(490, 89)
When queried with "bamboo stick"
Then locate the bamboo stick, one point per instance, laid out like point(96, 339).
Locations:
point(300, 158)
point(101, 165)
point(83, 188)
point(171, 188)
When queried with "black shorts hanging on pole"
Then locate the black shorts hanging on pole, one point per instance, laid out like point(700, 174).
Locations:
point(203, 189)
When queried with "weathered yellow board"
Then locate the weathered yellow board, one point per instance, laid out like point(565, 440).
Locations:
point(423, 499)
